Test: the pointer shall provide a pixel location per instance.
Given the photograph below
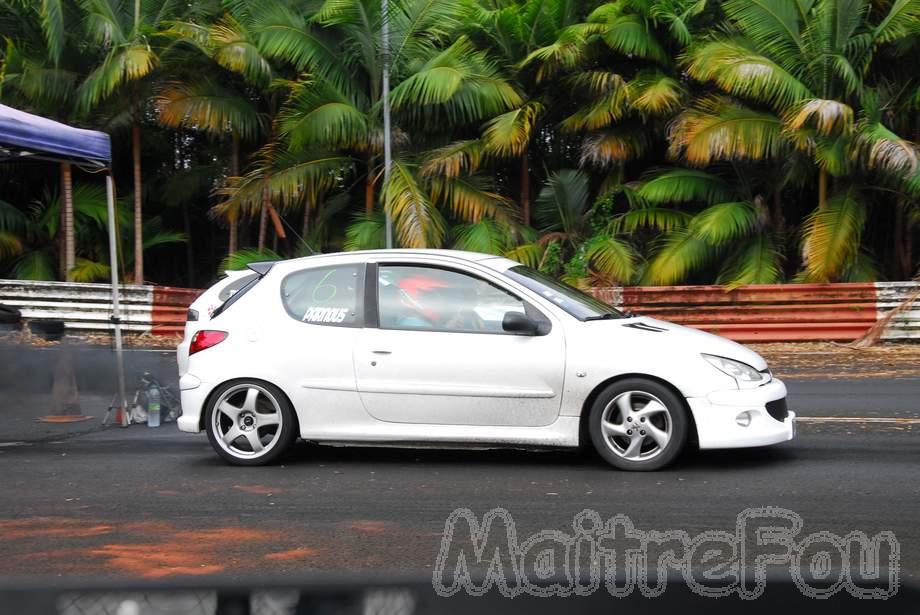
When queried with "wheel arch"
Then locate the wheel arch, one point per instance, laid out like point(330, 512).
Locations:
point(584, 437)
point(207, 402)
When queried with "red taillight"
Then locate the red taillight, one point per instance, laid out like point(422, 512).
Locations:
point(206, 339)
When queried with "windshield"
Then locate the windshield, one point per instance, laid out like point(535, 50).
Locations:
point(576, 302)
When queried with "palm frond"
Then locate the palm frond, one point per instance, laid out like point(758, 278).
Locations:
point(459, 82)
point(831, 236)
point(614, 258)
point(366, 232)
point(241, 259)
point(724, 222)
point(287, 174)
point(232, 49)
point(900, 22)
point(454, 159)
point(612, 146)
point(880, 148)
point(744, 72)
point(319, 113)
point(756, 262)
point(825, 117)
point(122, 65)
point(774, 25)
point(509, 134)
point(653, 93)
point(529, 254)
point(10, 245)
point(418, 222)
point(35, 265)
point(679, 254)
point(469, 198)
point(205, 106)
point(284, 35)
point(564, 200)
point(684, 186)
point(631, 36)
point(658, 218)
point(600, 112)
point(53, 27)
point(486, 236)
point(719, 129)
point(564, 53)
point(86, 270)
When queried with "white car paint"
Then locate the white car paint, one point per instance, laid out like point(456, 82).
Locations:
point(372, 385)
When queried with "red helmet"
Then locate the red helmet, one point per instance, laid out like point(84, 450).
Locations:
point(413, 291)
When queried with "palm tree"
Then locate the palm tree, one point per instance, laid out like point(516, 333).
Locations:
point(42, 77)
point(121, 76)
point(437, 84)
point(520, 35)
point(28, 239)
point(574, 241)
point(734, 229)
point(219, 107)
point(805, 69)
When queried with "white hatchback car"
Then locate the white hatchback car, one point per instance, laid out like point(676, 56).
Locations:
point(446, 348)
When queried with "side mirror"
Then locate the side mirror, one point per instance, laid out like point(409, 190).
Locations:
point(515, 322)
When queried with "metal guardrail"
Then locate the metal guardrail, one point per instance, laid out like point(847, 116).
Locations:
point(762, 313)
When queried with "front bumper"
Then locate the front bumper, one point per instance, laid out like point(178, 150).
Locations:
point(716, 418)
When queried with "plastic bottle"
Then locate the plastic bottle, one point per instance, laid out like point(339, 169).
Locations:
point(153, 406)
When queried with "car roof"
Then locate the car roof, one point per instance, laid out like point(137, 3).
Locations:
point(475, 257)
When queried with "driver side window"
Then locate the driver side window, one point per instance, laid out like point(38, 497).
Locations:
point(433, 299)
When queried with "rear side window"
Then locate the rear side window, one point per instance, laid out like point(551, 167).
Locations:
point(330, 296)
point(240, 288)
point(233, 287)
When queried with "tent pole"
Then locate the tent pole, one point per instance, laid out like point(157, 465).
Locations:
point(116, 312)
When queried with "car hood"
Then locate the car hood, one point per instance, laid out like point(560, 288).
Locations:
point(673, 337)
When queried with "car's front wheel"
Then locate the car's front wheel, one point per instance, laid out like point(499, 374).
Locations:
point(638, 424)
point(250, 422)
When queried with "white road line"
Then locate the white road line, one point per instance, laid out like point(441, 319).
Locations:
point(858, 419)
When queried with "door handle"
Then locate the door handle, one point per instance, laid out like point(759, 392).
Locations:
point(381, 352)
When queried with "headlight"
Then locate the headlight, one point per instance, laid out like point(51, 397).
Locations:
point(743, 373)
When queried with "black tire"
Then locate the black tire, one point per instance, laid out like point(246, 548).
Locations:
point(268, 398)
point(607, 445)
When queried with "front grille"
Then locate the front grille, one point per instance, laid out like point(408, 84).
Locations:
point(777, 409)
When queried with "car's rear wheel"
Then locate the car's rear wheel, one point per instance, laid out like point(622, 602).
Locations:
point(250, 422)
point(638, 424)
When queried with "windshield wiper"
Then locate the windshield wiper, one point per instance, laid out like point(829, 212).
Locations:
point(607, 316)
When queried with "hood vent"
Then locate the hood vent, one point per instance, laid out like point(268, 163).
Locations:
point(645, 327)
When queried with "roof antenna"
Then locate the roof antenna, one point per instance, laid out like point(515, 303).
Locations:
point(297, 235)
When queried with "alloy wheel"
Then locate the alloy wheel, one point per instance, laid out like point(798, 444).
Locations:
point(636, 426)
point(247, 421)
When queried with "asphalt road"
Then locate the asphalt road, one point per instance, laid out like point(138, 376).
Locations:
point(153, 503)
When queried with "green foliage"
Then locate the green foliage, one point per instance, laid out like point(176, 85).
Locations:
point(781, 122)
point(242, 259)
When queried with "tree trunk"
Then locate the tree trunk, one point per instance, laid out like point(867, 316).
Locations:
point(263, 216)
point(369, 187)
point(525, 190)
point(233, 239)
point(138, 210)
point(67, 219)
point(306, 220)
point(779, 222)
point(822, 188)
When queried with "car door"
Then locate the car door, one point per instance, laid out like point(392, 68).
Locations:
point(439, 354)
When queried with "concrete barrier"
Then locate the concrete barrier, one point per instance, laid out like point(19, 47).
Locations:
point(761, 313)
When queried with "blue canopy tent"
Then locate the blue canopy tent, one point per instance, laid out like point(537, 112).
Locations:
point(24, 136)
